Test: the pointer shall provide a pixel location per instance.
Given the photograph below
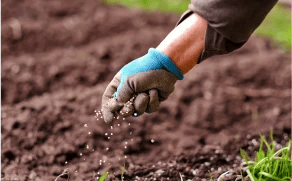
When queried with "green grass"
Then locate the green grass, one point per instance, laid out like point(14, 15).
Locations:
point(276, 26)
point(269, 165)
point(123, 171)
point(103, 177)
point(171, 6)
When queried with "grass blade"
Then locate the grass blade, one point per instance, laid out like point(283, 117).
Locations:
point(103, 177)
point(270, 176)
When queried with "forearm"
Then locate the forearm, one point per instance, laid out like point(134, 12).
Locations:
point(184, 44)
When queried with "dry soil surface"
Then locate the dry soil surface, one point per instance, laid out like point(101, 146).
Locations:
point(57, 59)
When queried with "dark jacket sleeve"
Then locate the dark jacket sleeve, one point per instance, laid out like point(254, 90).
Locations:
point(230, 22)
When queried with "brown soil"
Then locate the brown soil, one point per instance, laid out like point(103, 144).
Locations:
point(57, 59)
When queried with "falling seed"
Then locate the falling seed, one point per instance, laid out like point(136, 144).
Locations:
point(152, 141)
point(112, 134)
point(80, 154)
point(87, 146)
point(118, 124)
point(100, 163)
point(126, 142)
point(130, 133)
point(132, 139)
point(100, 116)
point(119, 158)
point(125, 156)
point(129, 124)
point(103, 161)
point(105, 134)
point(111, 127)
point(123, 118)
point(207, 164)
point(85, 125)
point(84, 159)
point(118, 117)
point(75, 170)
point(100, 160)
point(89, 132)
point(106, 149)
point(135, 114)
point(108, 137)
point(66, 162)
point(125, 147)
point(254, 142)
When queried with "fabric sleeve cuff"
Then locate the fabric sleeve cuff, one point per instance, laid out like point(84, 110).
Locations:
point(215, 43)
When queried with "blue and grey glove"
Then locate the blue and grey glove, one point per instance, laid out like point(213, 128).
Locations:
point(147, 80)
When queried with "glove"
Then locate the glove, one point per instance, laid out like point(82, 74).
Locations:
point(140, 86)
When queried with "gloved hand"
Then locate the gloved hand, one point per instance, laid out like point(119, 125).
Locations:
point(140, 86)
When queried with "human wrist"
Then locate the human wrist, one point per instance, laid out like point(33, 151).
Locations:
point(185, 43)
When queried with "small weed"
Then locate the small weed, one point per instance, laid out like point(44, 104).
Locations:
point(103, 177)
point(123, 171)
point(181, 178)
point(270, 165)
point(211, 176)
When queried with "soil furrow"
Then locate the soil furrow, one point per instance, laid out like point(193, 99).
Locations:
point(71, 25)
point(33, 74)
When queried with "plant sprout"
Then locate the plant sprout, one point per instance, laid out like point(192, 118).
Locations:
point(270, 165)
point(104, 176)
point(180, 176)
point(123, 171)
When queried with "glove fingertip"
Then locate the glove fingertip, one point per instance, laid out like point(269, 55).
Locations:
point(127, 110)
point(108, 116)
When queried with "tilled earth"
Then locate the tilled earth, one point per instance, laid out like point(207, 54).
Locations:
point(57, 59)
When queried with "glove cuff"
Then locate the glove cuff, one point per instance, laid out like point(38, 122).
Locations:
point(166, 62)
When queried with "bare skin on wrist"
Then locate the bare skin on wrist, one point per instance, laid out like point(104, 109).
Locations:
point(184, 44)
